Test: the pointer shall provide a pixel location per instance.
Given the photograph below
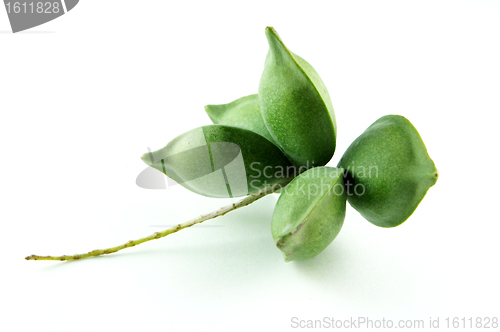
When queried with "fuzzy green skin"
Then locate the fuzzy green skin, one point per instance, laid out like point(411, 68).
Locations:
point(243, 112)
point(305, 220)
point(296, 106)
point(190, 161)
point(405, 171)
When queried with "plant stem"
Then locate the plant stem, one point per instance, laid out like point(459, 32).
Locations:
point(220, 212)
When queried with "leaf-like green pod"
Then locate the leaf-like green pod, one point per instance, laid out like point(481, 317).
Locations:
point(296, 106)
point(309, 213)
point(388, 171)
point(244, 113)
point(221, 161)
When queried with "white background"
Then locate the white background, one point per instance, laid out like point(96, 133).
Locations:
point(83, 96)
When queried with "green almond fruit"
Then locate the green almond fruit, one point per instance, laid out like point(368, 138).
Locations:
point(244, 113)
point(309, 213)
point(221, 161)
point(296, 106)
point(388, 171)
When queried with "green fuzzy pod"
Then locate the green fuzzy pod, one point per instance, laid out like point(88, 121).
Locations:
point(388, 171)
point(309, 213)
point(221, 161)
point(296, 106)
point(243, 112)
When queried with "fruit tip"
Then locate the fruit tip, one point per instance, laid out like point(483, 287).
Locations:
point(147, 158)
point(272, 33)
point(435, 176)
